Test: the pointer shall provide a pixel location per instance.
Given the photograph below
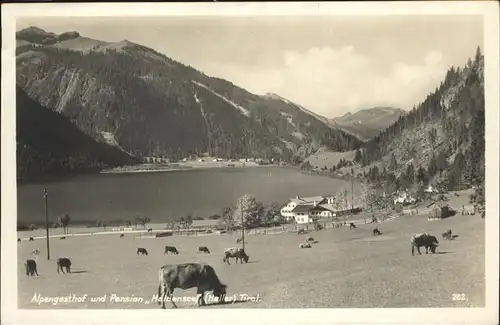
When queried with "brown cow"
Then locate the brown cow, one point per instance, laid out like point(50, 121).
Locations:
point(63, 262)
point(171, 249)
point(186, 276)
point(142, 251)
point(203, 249)
point(30, 268)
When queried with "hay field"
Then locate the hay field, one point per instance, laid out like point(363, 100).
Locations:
point(347, 268)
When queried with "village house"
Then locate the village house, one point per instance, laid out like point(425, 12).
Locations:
point(306, 209)
point(431, 189)
point(404, 199)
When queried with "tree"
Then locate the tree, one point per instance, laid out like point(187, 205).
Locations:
point(64, 221)
point(306, 166)
point(188, 221)
point(368, 195)
point(101, 223)
point(142, 221)
point(272, 214)
point(410, 173)
point(421, 175)
point(433, 139)
point(250, 210)
point(226, 219)
point(410, 151)
point(358, 158)
point(393, 164)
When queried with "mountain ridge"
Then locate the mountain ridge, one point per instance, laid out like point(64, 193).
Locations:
point(368, 122)
point(48, 143)
point(153, 105)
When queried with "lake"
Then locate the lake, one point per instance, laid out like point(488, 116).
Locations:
point(163, 196)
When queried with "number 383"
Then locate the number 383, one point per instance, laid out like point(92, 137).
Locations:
point(459, 297)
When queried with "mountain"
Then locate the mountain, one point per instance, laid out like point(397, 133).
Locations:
point(49, 144)
point(367, 123)
point(440, 141)
point(151, 105)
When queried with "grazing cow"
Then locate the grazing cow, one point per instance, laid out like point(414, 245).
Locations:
point(203, 249)
point(62, 238)
point(306, 245)
point(19, 240)
point(239, 240)
point(150, 230)
point(425, 240)
point(238, 254)
point(63, 262)
point(36, 252)
point(122, 235)
point(30, 268)
point(31, 239)
point(142, 251)
point(171, 249)
point(376, 232)
point(311, 240)
point(186, 276)
point(352, 225)
point(447, 235)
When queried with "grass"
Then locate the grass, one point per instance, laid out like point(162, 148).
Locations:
point(346, 268)
point(325, 157)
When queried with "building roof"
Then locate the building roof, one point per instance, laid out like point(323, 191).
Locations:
point(437, 204)
point(302, 208)
point(305, 200)
point(326, 207)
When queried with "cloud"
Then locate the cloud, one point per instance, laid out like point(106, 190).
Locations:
point(333, 81)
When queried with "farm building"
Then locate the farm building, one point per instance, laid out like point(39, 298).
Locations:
point(440, 210)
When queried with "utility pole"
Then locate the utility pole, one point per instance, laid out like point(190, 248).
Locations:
point(45, 195)
point(385, 198)
point(242, 225)
point(352, 190)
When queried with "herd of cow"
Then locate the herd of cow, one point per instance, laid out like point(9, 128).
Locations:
point(203, 276)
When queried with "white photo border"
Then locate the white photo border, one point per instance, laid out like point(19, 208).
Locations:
point(489, 10)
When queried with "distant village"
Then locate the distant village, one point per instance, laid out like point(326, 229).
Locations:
point(163, 160)
point(306, 210)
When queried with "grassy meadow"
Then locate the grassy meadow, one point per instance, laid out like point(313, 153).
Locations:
point(346, 268)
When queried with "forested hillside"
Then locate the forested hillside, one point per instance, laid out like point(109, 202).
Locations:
point(151, 105)
point(49, 144)
point(441, 141)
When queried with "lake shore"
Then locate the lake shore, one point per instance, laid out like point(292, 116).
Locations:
point(181, 166)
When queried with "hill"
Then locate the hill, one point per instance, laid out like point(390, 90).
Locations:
point(440, 141)
point(151, 105)
point(49, 144)
point(367, 123)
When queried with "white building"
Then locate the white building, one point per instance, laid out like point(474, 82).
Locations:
point(430, 189)
point(304, 209)
point(404, 198)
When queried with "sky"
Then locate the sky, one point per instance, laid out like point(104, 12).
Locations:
point(329, 64)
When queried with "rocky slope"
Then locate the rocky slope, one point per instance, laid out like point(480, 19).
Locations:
point(440, 141)
point(367, 123)
point(49, 144)
point(151, 105)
